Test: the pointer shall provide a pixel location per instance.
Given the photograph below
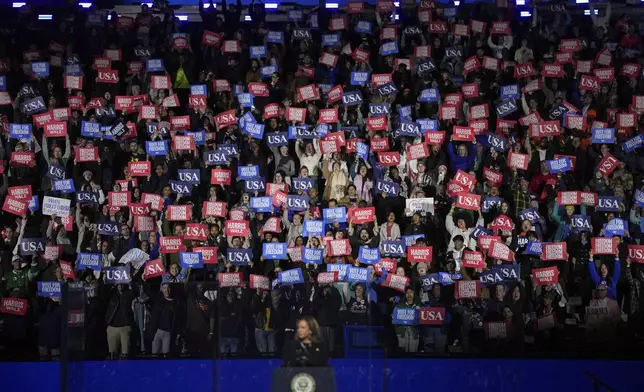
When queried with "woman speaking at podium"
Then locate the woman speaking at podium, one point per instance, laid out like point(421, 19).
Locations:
point(307, 349)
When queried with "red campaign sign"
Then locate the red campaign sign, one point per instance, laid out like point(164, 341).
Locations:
point(529, 119)
point(134, 67)
point(62, 114)
point(328, 59)
point(631, 69)
point(608, 164)
point(23, 159)
point(454, 189)
point(155, 201)
point(533, 85)
point(272, 225)
point(472, 259)
point(588, 83)
point(220, 176)
point(467, 289)
point(271, 188)
point(389, 158)
point(470, 90)
point(180, 43)
point(438, 27)
point(87, 154)
point(435, 137)
point(491, 63)
point(423, 51)
point(453, 99)
point(20, 192)
point(479, 111)
point(569, 198)
point(237, 228)
point(179, 213)
point(258, 89)
point(337, 24)
point(336, 136)
point(123, 103)
point(471, 64)
point(352, 143)
point(328, 116)
point(524, 70)
point(337, 248)
point(626, 120)
point(295, 114)
point(463, 134)
point(431, 316)
point(226, 118)
point(448, 112)
point(295, 253)
point(476, 26)
point(140, 209)
point(221, 85)
point(545, 276)
point(500, 28)
point(230, 279)
point(605, 74)
point(554, 251)
point(636, 253)
point(107, 76)
point(196, 231)
point(545, 129)
point(214, 208)
point(15, 206)
point(327, 277)
point(55, 129)
point(384, 6)
point(75, 103)
point(570, 45)
point(355, 7)
point(329, 146)
point(211, 39)
point(280, 198)
point(208, 254)
point(387, 264)
point(468, 201)
point(398, 283)
point(583, 66)
point(183, 143)
point(148, 112)
point(499, 250)
point(502, 222)
point(259, 282)
point(309, 92)
point(153, 269)
point(637, 103)
point(102, 64)
point(197, 101)
point(144, 224)
point(118, 199)
point(16, 306)
point(231, 46)
point(492, 176)
point(464, 179)
point(361, 55)
point(419, 254)
point(358, 216)
point(588, 198)
point(377, 123)
point(604, 57)
point(181, 122)
point(378, 80)
point(271, 110)
point(113, 54)
point(309, 72)
point(73, 82)
point(125, 22)
point(604, 245)
point(140, 168)
point(171, 245)
point(417, 151)
point(552, 70)
point(67, 270)
point(462, 30)
point(379, 145)
point(334, 95)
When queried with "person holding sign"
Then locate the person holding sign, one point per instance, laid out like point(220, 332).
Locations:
point(604, 277)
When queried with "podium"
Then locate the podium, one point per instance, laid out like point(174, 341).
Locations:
point(303, 379)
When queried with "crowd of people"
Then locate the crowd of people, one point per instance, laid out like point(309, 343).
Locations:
point(462, 179)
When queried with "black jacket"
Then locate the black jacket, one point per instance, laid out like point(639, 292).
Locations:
point(120, 302)
point(297, 354)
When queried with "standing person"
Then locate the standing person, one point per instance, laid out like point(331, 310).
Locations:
point(230, 321)
point(166, 321)
point(308, 347)
point(327, 304)
point(264, 318)
point(408, 335)
point(200, 322)
point(120, 319)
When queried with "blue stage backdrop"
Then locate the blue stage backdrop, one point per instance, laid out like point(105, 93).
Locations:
point(352, 375)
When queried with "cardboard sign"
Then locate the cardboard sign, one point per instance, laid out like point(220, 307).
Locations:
point(545, 276)
point(468, 201)
point(604, 245)
point(554, 251)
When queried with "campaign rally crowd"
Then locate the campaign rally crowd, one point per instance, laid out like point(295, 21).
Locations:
point(462, 179)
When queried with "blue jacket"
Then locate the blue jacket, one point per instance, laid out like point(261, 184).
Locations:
point(458, 162)
point(612, 287)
